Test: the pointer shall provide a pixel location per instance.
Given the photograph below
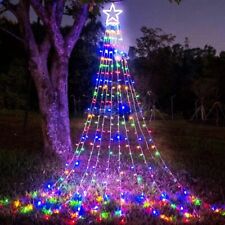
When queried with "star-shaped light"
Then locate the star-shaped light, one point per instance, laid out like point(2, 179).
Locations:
point(112, 15)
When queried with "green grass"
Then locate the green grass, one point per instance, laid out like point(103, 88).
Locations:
point(198, 151)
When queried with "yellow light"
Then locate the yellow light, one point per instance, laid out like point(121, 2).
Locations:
point(74, 215)
point(99, 199)
point(187, 215)
point(146, 204)
point(166, 218)
point(16, 203)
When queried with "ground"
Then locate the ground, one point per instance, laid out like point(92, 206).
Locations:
point(192, 150)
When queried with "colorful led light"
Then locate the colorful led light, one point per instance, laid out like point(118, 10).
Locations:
point(116, 164)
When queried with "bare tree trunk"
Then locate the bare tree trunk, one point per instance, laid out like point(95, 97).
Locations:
point(53, 103)
point(48, 65)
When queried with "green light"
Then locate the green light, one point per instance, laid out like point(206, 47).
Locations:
point(157, 153)
point(173, 206)
point(139, 179)
point(4, 201)
point(34, 194)
point(74, 203)
point(118, 213)
point(105, 215)
point(47, 211)
point(26, 209)
point(197, 202)
point(53, 200)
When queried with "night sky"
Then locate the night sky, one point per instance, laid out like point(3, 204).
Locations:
point(202, 21)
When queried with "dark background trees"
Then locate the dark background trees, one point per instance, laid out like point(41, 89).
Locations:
point(193, 77)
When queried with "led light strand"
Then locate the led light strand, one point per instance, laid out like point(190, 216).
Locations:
point(119, 146)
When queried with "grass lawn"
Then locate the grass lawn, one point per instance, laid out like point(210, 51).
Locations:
point(196, 151)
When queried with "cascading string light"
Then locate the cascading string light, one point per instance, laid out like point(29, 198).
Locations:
point(158, 155)
point(105, 88)
point(98, 124)
point(134, 94)
point(133, 167)
point(116, 164)
point(87, 123)
point(135, 128)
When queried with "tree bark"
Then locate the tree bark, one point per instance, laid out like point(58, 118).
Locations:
point(53, 103)
point(50, 73)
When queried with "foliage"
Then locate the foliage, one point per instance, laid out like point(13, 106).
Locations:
point(186, 74)
point(152, 40)
point(83, 65)
point(15, 87)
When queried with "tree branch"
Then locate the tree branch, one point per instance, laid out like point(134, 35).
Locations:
point(8, 6)
point(23, 16)
point(12, 34)
point(40, 10)
point(48, 14)
point(55, 32)
point(76, 29)
point(59, 11)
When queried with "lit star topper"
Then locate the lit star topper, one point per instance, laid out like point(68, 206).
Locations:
point(112, 15)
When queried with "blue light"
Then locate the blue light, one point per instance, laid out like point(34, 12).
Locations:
point(164, 196)
point(106, 198)
point(155, 212)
